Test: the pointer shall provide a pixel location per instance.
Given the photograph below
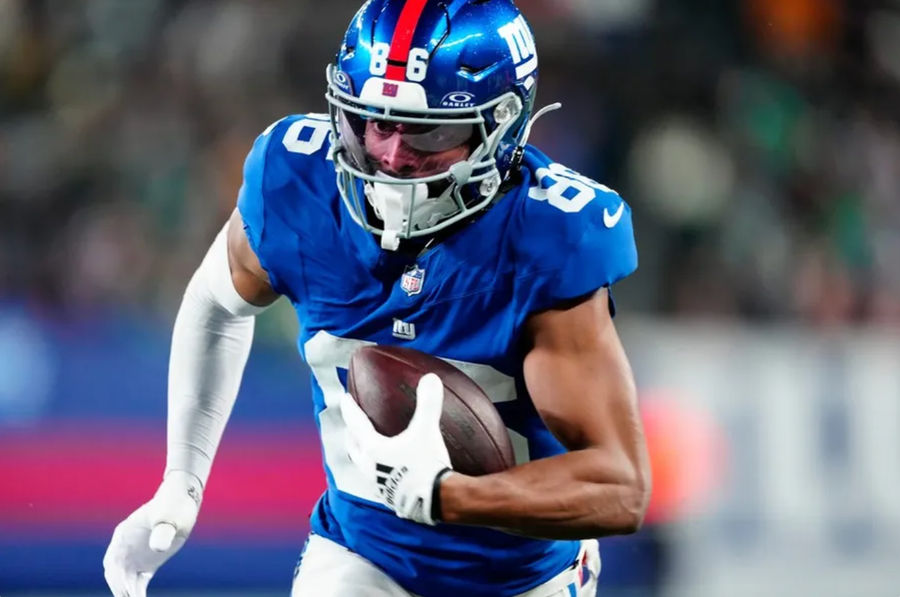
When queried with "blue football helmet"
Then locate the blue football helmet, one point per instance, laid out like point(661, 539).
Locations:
point(430, 104)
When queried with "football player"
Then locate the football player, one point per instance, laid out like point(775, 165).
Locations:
point(415, 213)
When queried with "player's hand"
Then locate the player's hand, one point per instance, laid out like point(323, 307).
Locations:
point(151, 535)
point(408, 466)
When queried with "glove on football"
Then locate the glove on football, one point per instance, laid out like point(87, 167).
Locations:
point(409, 466)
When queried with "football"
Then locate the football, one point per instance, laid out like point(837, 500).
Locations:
point(383, 380)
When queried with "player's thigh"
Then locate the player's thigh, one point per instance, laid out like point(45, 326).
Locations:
point(327, 569)
point(585, 574)
point(578, 580)
point(590, 568)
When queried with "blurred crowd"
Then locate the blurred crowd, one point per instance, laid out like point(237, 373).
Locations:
point(758, 142)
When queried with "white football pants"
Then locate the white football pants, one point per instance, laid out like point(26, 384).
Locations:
point(330, 570)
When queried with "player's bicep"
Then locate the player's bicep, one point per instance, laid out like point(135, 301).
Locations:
point(248, 275)
point(580, 380)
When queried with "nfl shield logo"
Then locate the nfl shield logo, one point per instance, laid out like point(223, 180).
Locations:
point(412, 280)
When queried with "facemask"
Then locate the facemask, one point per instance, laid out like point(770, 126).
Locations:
point(395, 204)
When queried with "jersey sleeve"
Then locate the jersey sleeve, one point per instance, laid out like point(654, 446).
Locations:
point(274, 197)
point(570, 254)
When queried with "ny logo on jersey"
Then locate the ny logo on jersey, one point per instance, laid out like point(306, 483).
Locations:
point(521, 46)
point(404, 330)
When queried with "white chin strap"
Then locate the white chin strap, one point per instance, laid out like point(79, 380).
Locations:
point(393, 204)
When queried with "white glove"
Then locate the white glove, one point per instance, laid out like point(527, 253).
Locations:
point(152, 534)
point(408, 467)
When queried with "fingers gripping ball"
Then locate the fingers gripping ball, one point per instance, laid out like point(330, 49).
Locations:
point(383, 380)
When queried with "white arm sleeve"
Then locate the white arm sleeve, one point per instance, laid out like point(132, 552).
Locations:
point(210, 345)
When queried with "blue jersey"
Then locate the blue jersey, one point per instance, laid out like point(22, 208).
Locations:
point(555, 236)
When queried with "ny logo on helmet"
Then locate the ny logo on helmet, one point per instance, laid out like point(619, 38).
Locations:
point(521, 45)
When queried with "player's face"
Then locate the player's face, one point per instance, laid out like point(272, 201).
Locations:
point(415, 150)
point(404, 150)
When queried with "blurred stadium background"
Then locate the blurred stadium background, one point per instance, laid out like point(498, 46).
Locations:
point(758, 142)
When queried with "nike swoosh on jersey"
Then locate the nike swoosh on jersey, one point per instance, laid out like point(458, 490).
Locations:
point(610, 220)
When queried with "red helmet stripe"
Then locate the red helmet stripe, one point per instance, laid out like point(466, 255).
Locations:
point(402, 40)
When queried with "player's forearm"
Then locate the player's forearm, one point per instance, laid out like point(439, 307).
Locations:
point(575, 495)
point(209, 352)
point(210, 344)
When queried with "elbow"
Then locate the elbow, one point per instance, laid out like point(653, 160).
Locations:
point(640, 490)
point(625, 518)
point(634, 501)
point(626, 498)
point(637, 492)
point(634, 508)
